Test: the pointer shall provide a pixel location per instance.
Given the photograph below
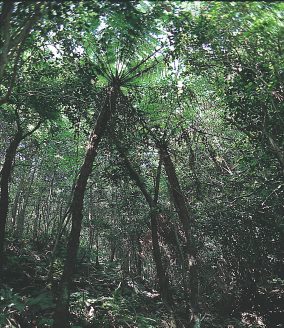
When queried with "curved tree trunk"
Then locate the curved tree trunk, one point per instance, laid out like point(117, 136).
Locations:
point(163, 280)
point(4, 189)
point(187, 222)
point(61, 316)
point(5, 176)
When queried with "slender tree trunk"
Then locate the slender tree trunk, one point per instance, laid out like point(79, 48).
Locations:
point(5, 17)
point(61, 316)
point(163, 281)
point(112, 251)
point(5, 176)
point(115, 215)
point(36, 220)
point(93, 237)
point(16, 205)
point(20, 222)
point(63, 222)
point(187, 222)
point(139, 264)
point(97, 250)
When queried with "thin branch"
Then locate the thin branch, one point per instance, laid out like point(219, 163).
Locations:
point(135, 68)
point(33, 130)
point(147, 69)
point(157, 182)
point(133, 174)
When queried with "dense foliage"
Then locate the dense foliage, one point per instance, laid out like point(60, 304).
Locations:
point(142, 164)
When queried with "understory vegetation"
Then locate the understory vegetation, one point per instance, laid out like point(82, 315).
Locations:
point(142, 164)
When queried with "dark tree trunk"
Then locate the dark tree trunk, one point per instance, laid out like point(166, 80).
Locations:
point(5, 176)
point(61, 316)
point(139, 264)
point(20, 222)
point(36, 220)
point(161, 273)
point(186, 219)
point(97, 251)
point(163, 280)
point(16, 205)
point(112, 252)
point(5, 17)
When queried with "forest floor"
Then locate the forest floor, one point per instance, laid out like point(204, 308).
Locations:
point(100, 297)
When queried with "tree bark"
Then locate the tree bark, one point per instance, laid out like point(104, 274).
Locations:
point(61, 316)
point(161, 274)
point(5, 176)
point(15, 209)
point(6, 13)
point(4, 188)
point(20, 221)
point(187, 223)
point(139, 264)
point(163, 280)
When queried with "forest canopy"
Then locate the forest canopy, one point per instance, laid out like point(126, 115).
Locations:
point(142, 164)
